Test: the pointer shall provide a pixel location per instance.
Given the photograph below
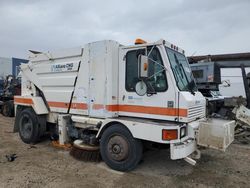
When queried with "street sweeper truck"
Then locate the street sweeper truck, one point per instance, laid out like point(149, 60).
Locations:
point(111, 100)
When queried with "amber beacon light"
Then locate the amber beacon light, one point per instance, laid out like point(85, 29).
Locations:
point(140, 41)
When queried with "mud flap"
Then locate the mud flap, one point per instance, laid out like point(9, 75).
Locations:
point(18, 111)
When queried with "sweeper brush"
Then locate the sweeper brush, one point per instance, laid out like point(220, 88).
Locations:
point(85, 152)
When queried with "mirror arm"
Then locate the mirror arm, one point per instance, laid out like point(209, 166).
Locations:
point(157, 63)
point(150, 51)
point(155, 74)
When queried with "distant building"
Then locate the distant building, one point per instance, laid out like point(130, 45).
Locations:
point(10, 66)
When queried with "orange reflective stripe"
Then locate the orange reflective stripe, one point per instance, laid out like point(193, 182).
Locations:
point(80, 106)
point(183, 112)
point(98, 106)
point(58, 104)
point(114, 108)
point(148, 110)
point(23, 100)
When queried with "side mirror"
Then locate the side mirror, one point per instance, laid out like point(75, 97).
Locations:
point(143, 66)
point(141, 88)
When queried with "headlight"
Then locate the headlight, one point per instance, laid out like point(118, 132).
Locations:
point(183, 132)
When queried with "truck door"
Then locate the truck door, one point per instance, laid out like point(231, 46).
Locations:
point(97, 79)
point(160, 100)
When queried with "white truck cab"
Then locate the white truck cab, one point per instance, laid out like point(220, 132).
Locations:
point(117, 97)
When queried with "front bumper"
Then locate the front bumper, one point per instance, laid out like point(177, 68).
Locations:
point(186, 147)
point(183, 149)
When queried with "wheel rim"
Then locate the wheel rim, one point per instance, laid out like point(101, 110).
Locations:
point(118, 148)
point(26, 127)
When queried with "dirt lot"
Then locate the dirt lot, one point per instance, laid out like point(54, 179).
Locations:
point(45, 166)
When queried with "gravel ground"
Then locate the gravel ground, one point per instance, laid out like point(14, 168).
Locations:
point(46, 166)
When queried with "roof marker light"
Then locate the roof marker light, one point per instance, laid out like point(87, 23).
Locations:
point(140, 41)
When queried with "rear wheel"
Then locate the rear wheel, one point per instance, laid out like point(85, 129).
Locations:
point(30, 130)
point(119, 149)
point(8, 109)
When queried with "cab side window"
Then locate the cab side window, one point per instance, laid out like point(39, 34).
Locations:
point(131, 70)
point(156, 78)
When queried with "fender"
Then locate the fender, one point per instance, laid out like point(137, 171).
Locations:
point(144, 130)
point(36, 103)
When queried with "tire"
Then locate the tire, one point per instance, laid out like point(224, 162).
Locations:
point(8, 109)
point(29, 127)
point(119, 149)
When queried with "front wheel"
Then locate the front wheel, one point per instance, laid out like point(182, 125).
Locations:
point(119, 149)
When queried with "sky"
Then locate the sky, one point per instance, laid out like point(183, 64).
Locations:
point(200, 27)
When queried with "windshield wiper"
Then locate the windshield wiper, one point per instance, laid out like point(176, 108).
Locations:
point(189, 83)
point(183, 70)
point(178, 63)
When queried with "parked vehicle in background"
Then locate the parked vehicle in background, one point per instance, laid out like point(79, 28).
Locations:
point(236, 105)
point(11, 87)
point(10, 83)
point(208, 78)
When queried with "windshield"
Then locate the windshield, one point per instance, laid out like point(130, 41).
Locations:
point(181, 69)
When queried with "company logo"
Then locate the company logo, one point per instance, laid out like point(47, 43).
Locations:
point(62, 67)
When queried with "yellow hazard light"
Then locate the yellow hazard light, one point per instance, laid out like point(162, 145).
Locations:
point(169, 134)
point(140, 41)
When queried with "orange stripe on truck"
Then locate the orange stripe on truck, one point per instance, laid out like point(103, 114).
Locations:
point(23, 100)
point(58, 104)
point(114, 108)
point(148, 110)
point(98, 106)
point(80, 106)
